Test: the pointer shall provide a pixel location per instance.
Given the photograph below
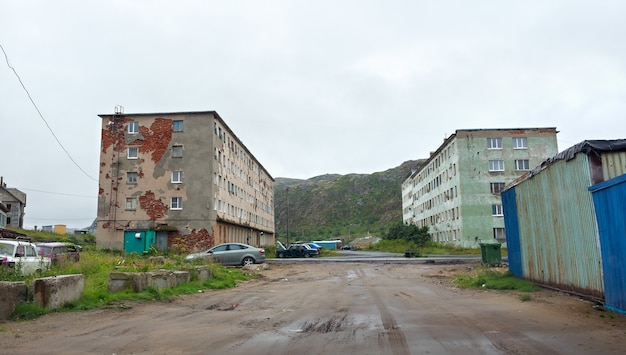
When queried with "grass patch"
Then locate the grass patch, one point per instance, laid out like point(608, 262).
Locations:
point(27, 311)
point(430, 248)
point(495, 280)
point(525, 298)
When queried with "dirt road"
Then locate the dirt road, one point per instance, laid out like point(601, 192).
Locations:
point(332, 308)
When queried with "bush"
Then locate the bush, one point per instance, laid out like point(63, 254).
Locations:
point(410, 233)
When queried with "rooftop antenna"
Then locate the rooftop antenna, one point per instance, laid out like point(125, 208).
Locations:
point(119, 109)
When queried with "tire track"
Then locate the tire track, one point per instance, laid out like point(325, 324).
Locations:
point(394, 335)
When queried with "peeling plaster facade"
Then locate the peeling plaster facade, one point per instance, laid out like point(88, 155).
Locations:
point(187, 177)
point(456, 194)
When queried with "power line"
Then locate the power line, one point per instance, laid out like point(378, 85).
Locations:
point(56, 193)
point(6, 57)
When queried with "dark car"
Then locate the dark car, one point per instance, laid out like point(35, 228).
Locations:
point(297, 251)
point(230, 254)
point(59, 252)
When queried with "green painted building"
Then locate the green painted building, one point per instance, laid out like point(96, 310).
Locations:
point(456, 194)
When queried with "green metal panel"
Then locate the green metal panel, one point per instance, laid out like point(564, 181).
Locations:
point(139, 241)
point(559, 242)
point(134, 241)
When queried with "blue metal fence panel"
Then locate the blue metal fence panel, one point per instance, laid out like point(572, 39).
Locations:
point(511, 225)
point(609, 198)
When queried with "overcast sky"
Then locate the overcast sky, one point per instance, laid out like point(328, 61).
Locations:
point(310, 87)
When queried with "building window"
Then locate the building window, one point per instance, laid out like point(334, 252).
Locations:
point(522, 164)
point(520, 143)
point(177, 177)
point(177, 126)
point(131, 177)
point(177, 151)
point(132, 153)
point(496, 187)
point(496, 210)
point(494, 143)
point(499, 233)
point(133, 127)
point(176, 203)
point(496, 165)
point(131, 203)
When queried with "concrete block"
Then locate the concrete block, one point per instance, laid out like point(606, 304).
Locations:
point(11, 293)
point(203, 272)
point(182, 277)
point(161, 279)
point(53, 292)
point(137, 281)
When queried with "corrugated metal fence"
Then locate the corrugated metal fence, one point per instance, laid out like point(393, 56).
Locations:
point(609, 198)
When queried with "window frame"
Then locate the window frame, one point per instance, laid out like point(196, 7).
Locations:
point(517, 140)
point(491, 141)
point(176, 203)
point(175, 151)
point(500, 164)
point(500, 186)
point(176, 124)
point(496, 210)
point(496, 234)
point(133, 127)
point(132, 149)
point(128, 177)
point(179, 174)
point(133, 204)
point(522, 161)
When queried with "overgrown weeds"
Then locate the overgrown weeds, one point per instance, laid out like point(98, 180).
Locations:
point(96, 265)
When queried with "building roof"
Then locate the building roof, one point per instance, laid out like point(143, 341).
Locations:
point(588, 147)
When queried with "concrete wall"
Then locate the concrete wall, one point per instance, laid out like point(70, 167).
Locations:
point(53, 292)
point(160, 279)
point(11, 293)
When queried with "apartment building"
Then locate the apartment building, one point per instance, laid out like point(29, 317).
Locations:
point(456, 194)
point(179, 180)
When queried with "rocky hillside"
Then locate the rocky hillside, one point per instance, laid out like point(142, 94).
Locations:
point(340, 206)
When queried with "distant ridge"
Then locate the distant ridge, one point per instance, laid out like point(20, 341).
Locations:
point(340, 206)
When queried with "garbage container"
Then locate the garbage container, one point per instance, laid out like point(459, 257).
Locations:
point(491, 254)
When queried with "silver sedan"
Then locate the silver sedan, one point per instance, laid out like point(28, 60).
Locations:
point(230, 254)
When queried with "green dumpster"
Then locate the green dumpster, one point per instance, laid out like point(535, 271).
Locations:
point(491, 254)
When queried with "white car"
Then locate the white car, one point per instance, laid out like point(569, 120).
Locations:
point(22, 255)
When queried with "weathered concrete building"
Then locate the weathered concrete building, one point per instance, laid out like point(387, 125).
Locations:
point(15, 202)
point(179, 180)
point(456, 194)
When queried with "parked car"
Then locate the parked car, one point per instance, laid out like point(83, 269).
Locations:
point(297, 251)
point(315, 246)
point(59, 252)
point(230, 254)
point(22, 255)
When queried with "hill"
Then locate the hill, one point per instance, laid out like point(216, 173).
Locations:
point(340, 206)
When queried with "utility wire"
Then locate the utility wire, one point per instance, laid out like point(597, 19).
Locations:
point(56, 193)
point(6, 57)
